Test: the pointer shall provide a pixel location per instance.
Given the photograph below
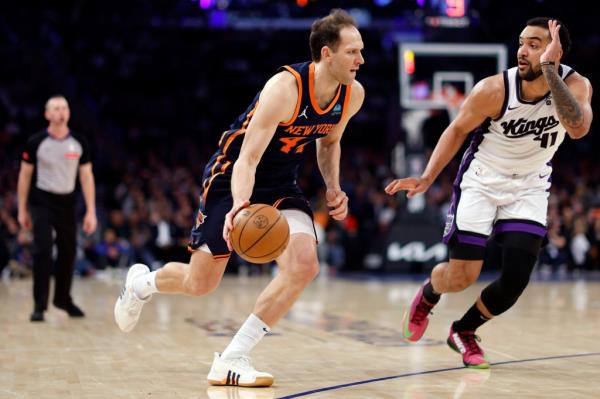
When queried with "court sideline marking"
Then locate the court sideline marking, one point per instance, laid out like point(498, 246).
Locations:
point(392, 377)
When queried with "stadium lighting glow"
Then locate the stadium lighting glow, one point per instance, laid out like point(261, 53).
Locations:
point(409, 62)
point(455, 8)
point(205, 4)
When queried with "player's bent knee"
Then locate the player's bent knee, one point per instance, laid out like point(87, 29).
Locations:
point(305, 270)
point(459, 283)
point(471, 278)
point(461, 274)
point(503, 293)
point(497, 299)
point(204, 273)
point(302, 268)
point(301, 260)
point(196, 287)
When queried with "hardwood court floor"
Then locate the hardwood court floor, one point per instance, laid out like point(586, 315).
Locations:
point(341, 340)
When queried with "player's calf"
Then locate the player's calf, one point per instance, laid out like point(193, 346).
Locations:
point(416, 318)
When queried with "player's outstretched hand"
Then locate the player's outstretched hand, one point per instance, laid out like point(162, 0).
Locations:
point(228, 225)
point(338, 200)
point(413, 186)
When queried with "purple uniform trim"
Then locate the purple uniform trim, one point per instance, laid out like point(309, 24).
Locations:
point(467, 239)
point(464, 166)
point(521, 227)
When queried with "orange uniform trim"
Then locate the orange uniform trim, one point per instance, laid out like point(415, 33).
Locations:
point(346, 102)
point(233, 136)
point(299, 82)
point(276, 204)
point(230, 140)
point(212, 171)
point(313, 101)
point(207, 184)
point(222, 137)
point(192, 250)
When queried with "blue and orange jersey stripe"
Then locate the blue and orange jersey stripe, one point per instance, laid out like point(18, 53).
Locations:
point(313, 100)
point(346, 101)
point(299, 101)
point(231, 136)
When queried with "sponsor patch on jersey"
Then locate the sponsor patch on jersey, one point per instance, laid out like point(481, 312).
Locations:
point(337, 109)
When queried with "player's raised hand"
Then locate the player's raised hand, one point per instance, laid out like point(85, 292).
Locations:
point(228, 225)
point(338, 200)
point(553, 51)
point(413, 186)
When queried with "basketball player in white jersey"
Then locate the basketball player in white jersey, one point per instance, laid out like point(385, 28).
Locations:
point(503, 183)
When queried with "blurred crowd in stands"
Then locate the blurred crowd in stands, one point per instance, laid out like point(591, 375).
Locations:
point(154, 97)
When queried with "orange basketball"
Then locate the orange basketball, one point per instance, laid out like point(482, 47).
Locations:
point(260, 233)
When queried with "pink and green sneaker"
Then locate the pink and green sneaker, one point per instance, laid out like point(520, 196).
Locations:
point(465, 343)
point(417, 318)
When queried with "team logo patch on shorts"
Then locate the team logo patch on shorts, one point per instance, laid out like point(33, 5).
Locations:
point(449, 223)
point(200, 218)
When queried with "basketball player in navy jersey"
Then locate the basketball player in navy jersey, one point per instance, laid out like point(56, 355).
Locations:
point(503, 183)
point(257, 162)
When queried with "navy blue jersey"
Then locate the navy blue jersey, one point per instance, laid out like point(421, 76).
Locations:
point(279, 164)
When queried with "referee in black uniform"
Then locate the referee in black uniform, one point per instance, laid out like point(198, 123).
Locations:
point(46, 192)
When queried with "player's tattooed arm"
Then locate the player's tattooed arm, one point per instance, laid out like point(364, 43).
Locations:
point(567, 107)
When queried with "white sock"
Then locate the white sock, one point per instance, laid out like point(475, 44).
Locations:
point(246, 338)
point(145, 285)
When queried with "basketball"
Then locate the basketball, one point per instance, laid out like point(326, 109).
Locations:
point(260, 233)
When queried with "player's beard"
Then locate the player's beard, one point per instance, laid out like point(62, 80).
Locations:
point(531, 74)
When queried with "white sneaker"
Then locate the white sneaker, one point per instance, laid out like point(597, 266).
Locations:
point(237, 371)
point(128, 306)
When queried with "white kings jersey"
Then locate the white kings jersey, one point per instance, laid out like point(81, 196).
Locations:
point(525, 137)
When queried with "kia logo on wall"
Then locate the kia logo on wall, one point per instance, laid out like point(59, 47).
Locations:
point(416, 251)
point(414, 244)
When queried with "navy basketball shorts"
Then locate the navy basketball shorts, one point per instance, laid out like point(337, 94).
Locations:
point(214, 205)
